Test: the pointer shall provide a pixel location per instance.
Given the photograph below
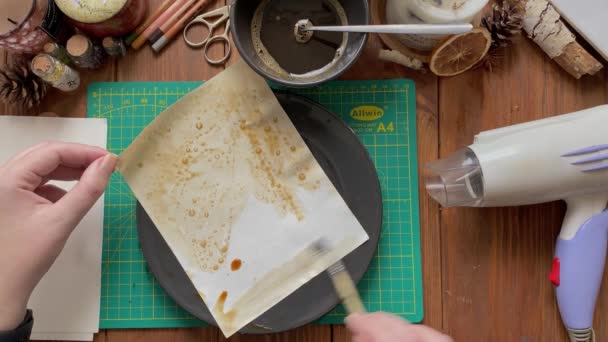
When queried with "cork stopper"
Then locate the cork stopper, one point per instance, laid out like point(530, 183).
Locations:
point(78, 45)
point(49, 47)
point(42, 64)
point(108, 42)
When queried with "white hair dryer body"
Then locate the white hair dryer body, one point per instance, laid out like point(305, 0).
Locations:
point(562, 157)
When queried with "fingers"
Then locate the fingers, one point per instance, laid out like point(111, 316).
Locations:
point(31, 167)
point(380, 327)
point(64, 173)
point(78, 201)
point(50, 192)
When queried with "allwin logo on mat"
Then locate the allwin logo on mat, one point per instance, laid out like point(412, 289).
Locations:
point(366, 113)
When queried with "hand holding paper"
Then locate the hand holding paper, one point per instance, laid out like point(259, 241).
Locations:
point(37, 218)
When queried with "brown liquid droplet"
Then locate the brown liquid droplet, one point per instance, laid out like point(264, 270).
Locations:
point(188, 149)
point(235, 265)
point(140, 165)
point(206, 214)
point(220, 260)
point(194, 200)
point(278, 153)
point(199, 125)
point(191, 212)
point(185, 161)
point(168, 130)
point(258, 150)
point(224, 249)
point(302, 176)
point(215, 267)
point(203, 243)
point(275, 120)
point(292, 148)
point(217, 156)
point(267, 129)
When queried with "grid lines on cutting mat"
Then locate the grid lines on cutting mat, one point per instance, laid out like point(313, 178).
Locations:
point(131, 297)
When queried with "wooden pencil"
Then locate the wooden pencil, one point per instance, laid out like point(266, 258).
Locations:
point(131, 37)
point(164, 27)
point(139, 42)
point(167, 36)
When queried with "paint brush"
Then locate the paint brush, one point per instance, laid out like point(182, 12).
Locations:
point(139, 42)
point(141, 28)
point(343, 283)
point(166, 37)
point(160, 31)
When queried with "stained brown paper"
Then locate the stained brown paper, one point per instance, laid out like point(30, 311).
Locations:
point(227, 180)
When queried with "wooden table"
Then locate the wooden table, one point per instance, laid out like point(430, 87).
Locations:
point(485, 270)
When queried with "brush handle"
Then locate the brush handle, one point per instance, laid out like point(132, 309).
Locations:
point(347, 291)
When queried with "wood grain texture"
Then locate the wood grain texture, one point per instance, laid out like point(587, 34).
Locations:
point(496, 261)
point(161, 335)
point(309, 333)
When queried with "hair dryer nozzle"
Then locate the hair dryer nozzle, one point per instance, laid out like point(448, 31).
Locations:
point(455, 181)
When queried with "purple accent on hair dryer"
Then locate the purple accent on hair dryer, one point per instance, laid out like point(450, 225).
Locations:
point(595, 168)
point(581, 268)
point(586, 150)
point(597, 158)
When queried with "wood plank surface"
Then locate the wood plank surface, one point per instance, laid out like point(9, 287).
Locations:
point(496, 261)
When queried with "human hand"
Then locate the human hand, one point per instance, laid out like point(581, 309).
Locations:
point(36, 218)
point(383, 327)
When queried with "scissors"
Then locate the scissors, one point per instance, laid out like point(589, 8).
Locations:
point(224, 15)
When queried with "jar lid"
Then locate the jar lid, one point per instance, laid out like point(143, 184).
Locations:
point(90, 11)
point(449, 11)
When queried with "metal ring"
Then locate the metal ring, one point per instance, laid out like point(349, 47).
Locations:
point(213, 40)
point(187, 28)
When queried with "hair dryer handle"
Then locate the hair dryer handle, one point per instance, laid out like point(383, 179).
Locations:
point(578, 270)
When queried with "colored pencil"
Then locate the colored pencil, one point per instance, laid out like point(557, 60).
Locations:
point(139, 42)
point(162, 41)
point(131, 37)
point(164, 27)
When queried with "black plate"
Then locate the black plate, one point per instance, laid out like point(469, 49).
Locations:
point(347, 163)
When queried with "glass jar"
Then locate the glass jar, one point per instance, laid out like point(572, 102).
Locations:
point(20, 32)
point(430, 12)
point(109, 18)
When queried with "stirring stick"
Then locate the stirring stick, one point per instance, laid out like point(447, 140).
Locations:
point(131, 37)
point(139, 42)
point(159, 32)
point(306, 25)
point(162, 41)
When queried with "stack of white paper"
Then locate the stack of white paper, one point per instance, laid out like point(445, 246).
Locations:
point(66, 301)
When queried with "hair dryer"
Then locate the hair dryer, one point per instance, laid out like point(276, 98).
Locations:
point(562, 157)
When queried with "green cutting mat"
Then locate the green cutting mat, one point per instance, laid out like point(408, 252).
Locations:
point(131, 297)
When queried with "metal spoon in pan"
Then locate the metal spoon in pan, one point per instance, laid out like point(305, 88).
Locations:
point(304, 29)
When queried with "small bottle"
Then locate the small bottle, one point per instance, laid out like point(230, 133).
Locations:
point(114, 46)
point(430, 12)
point(84, 52)
point(52, 71)
point(57, 51)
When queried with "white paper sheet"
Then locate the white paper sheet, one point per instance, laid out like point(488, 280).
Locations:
point(226, 177)
point(66, 301)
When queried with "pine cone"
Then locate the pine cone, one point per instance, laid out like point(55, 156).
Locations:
point(504, 23)
point(19, 86)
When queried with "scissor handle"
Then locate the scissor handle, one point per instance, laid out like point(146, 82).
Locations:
point(193, 23)
point(221, 38)
point(224, 39)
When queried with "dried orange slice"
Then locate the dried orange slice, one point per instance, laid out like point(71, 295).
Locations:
point(459, 53)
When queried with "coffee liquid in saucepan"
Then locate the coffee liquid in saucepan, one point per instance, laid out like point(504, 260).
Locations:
point(274, 40)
